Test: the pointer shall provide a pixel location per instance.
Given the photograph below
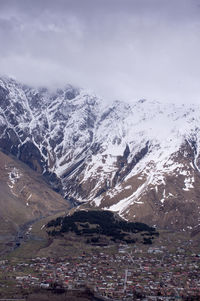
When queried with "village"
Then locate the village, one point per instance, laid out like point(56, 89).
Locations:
point(128, 274)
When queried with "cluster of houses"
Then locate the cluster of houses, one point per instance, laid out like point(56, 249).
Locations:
point(124, 275)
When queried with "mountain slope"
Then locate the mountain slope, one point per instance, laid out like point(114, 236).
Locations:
point(24, 197)
point(141, 160)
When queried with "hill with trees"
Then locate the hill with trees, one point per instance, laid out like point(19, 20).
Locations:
point(95, 224)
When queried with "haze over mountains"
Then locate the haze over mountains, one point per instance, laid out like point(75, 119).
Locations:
point(141, 160)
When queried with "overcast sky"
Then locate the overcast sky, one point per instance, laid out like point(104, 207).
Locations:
point(121, 49)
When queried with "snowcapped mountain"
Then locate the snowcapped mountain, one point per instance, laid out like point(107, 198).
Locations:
point(141, 160)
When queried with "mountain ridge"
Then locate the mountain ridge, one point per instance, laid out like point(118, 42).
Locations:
point(141, 160)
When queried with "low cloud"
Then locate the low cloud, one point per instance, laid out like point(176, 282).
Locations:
point(121, 49)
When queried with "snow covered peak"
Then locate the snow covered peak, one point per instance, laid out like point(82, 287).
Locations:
point(132, 158)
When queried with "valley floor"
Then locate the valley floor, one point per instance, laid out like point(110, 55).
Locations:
point(130, 273)
point(42, 268)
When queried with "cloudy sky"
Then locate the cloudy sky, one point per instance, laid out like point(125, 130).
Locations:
point(121, 49)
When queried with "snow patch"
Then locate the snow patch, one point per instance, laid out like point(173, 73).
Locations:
point(188, 184)
point(13, 175)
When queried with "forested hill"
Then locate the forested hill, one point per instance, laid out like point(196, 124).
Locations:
point(101, 223)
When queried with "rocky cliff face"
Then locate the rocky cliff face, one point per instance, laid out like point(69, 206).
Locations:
point(141, 160)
